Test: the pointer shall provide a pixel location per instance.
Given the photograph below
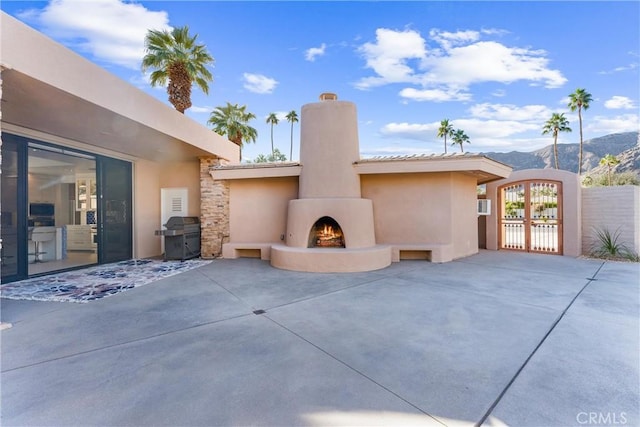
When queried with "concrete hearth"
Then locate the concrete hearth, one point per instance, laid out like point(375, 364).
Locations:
point(330, 260)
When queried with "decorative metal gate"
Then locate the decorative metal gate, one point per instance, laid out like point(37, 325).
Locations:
point(531, 216)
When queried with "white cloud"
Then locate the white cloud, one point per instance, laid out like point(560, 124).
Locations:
point(612, 124)
point(257, 83)
point(510, 112)
point(495, 130)
point(489, 61)
point(435, 95)
point(388, 57)
point(456, 61)
point(484, 135)
point(631, 66)
point(447, 39)
point(619, 103)
point(417, 131)
point(311, 53)
point(203, 109)
point(477, 128)
point(110, 30)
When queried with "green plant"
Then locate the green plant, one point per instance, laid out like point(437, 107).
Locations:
point(609, 161)
point(177, 62)
point(608, 246)
point(557, 123)
point(620, 178)
point(276, 156)
point(579, 100)
point(511, 208)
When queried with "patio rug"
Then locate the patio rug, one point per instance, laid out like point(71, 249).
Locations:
point(94, 283)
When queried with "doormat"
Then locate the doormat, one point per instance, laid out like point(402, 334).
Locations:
point(95, 283)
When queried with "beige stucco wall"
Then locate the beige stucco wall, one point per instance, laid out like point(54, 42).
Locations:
point(571, 205)
point(410, 208)
point(434, 208)
point(184, 175)
point(258, 209)
point(146, 208)
point(464, 221)
point(616, 209)
point(148, 179)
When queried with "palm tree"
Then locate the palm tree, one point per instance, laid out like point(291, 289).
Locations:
point(292, 117)
point(233, 121)
point(580, 100)
point(276, 156)
point(178, 60)
point(459, 137)
point(557, 123)
point(445, 129)
point(609, 160)
point(273, 120)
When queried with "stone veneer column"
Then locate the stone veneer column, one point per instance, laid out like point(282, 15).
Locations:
point(214, 209)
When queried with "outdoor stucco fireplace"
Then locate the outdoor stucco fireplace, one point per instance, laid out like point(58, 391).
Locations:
point(330, 227)
point(332, 211)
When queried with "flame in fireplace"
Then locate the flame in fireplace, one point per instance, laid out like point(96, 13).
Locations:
point(326, 233)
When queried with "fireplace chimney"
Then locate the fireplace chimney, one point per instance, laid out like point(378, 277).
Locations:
point(329, 147)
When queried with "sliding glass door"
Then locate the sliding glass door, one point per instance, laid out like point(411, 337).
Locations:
point(61, 208)
point(115, 223)
point(13, 217)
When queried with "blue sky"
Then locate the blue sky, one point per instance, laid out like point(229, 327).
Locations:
point(497, 70)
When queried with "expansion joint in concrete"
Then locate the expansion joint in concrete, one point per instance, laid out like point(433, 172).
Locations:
point(535, 350)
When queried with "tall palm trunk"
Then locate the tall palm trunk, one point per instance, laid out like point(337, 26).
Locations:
point(445, 143)
point(580, 154)
point(555, 148)
point(238, 141)
point(272, 139)
point(179, 88)
point(291, 145)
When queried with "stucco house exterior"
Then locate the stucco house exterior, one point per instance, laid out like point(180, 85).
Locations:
point(336, 212)
point(87, 155)
point(95, 164)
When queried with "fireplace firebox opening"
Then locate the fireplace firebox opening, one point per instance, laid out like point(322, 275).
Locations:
point(326, 233)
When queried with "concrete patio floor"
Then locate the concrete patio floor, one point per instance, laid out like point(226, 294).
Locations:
point(499, 338)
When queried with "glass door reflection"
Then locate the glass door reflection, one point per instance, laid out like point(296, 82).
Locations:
point(62, 209)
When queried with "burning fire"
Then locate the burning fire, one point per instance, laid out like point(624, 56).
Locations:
point(328, 233)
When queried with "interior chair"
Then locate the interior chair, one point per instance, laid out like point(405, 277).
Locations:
point(40, 235)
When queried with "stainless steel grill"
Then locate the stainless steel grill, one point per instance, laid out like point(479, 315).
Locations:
point(181, 237)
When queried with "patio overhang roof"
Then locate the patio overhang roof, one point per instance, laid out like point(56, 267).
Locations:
point(481, 167)
point(48, 88)
point(256, 170)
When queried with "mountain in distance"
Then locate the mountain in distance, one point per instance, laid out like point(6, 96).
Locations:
point(625, 146)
